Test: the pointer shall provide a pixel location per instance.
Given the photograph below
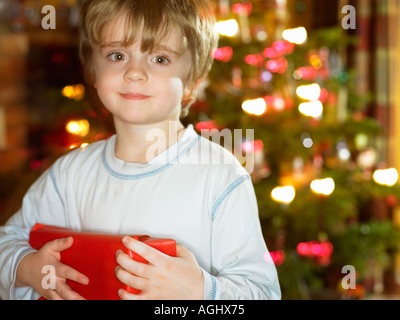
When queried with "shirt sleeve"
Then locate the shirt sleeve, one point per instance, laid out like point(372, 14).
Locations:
point(241, 266)
point(42, 203)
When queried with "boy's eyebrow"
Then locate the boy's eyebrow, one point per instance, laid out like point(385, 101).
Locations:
point(165, 48)
point(156, 47)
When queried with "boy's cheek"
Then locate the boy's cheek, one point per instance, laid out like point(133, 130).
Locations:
point(103, 81)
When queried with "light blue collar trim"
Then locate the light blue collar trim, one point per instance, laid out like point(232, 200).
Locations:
point(134, 171)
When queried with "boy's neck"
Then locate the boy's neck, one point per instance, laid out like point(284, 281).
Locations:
point(140, 144)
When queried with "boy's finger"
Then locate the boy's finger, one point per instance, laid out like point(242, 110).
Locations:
point(51, 295)
point(59, 245)
point(146, 252)
point(124, 295)
point(66, 293)
point(67, 272)
point(134, 267)
point(130, 279)
point(181, 251)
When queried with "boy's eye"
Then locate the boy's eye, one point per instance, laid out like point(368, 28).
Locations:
point(160, 60)
point(117, 56)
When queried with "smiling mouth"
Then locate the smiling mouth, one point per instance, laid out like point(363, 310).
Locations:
point(134, 96)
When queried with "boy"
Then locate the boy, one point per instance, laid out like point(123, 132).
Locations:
point(146, 58)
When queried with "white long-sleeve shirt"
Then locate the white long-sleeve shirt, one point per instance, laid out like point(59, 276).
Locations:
point(195, 192)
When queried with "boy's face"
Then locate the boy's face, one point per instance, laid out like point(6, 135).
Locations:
point(141, 88)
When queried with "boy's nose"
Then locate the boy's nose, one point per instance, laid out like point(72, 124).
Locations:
point(135, 73)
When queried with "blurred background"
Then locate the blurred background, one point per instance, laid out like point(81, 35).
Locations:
point(317, 81)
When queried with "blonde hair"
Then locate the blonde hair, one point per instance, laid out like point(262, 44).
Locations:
point(154, 19)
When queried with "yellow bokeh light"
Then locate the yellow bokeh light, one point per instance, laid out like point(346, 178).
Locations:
point(310, 92)
point(323, 186)
point(79, 91)
point(255, 107)
point(296, 35)
point(78, 127)
point(228, 28)
point(386, 177)
point(312, 109)
point(316, 61)
point(75, 92)
point(284, 194)
point(68, 91)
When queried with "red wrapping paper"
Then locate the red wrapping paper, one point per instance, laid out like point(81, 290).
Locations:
point(93, 254)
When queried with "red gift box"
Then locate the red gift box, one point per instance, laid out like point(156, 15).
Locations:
point(93, 254)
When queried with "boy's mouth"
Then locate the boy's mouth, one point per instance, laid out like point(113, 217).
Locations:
point(134, 96)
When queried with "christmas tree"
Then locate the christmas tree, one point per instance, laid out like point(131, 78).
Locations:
point(315, 150)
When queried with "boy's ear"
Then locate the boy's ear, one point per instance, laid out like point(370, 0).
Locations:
point(190, 90)
point(198, 83)
point(188, 96)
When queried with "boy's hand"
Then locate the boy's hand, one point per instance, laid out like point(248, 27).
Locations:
point(164, 277)
point(29, 272)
